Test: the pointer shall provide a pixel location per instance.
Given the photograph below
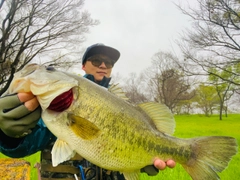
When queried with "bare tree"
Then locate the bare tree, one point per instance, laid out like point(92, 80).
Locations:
point(134, 87)
point(213, 40)
point(48, 29)
point(166, 82)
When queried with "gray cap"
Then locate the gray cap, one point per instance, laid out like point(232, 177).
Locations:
point(99, 48)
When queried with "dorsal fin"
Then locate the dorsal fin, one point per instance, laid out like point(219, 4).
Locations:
point(160, 115)
point(115, 89)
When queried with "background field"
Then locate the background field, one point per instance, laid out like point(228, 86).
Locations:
point(190, 126)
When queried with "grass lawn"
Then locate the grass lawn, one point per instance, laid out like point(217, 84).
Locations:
point(197, 125)
point(187, 127)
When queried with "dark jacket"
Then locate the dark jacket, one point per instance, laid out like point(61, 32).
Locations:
point(30, 144)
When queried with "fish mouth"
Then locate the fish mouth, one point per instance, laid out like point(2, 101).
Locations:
point(62, 101)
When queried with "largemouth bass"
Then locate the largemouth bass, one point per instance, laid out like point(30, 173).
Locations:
point(113, 134)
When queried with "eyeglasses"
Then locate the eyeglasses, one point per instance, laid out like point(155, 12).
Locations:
point(98, 61)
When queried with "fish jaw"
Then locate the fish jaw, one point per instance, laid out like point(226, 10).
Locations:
point(44, 83)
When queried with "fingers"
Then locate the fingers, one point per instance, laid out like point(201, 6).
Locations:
point(15, 100)
point(22, 126)
point(17, 113)
point(23, 97)
point(31, 119)
point(160, 164)
point(171, 164)
point(32, 104)
point(18, 110)
point(10, 101)
point(30, 101)
point(22, 116)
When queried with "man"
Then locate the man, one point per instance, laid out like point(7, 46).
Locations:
point(23, 133)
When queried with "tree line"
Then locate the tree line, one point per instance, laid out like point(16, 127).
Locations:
point(205, 76)
point(166, 83)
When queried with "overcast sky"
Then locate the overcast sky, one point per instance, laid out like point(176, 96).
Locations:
point(137, 28)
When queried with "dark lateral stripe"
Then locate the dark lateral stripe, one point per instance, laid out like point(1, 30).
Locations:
point(183, 153)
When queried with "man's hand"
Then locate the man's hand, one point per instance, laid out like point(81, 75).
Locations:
point(158, 164)
point(19, 113)
point(161, 165)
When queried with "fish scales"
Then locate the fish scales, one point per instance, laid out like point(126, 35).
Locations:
point(112, 133)
point(134, 132)
point(114, 126)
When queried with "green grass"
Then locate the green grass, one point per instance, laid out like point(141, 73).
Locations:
point(196, 125)
point(186, 127)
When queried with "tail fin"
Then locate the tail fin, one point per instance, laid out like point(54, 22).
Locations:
point(210, 155)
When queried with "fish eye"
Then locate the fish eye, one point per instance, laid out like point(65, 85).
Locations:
point(50, 68)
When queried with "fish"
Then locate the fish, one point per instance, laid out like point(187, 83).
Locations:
point(104, 128)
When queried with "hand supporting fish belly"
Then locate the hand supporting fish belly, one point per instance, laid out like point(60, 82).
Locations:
point(113, 134)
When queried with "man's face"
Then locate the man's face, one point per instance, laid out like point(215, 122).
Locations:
point(98, 66)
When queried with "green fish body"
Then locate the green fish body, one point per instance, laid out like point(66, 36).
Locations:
point(115, 135)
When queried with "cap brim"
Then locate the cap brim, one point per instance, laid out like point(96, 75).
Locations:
point(112, 53)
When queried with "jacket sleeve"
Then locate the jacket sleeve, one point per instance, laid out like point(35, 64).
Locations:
point(30, 144)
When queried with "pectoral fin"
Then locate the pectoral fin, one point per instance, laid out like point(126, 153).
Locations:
point(82, 127)
point(61, 152)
